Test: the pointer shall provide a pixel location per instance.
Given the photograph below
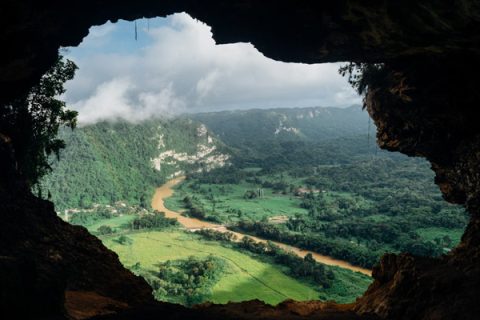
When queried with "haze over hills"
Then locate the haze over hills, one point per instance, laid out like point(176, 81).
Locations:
point(313, 124)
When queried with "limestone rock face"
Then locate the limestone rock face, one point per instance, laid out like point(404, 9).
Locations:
point(426, 106)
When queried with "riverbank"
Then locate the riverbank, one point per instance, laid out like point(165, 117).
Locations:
point(166, 190)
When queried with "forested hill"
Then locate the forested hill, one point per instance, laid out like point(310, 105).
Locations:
point(108, 162)
point(320, 171)
point(316, 124)
point(297, 136)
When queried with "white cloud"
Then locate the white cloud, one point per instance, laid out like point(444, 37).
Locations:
point(182, 69)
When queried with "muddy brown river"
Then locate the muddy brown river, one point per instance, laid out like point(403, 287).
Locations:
point(166, 191)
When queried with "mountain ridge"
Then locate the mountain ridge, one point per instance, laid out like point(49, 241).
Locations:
point(113, 161)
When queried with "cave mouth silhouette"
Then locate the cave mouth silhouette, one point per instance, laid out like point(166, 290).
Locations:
point(134, 36)
point(427, 47)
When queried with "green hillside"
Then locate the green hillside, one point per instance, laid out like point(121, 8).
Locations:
point(288, 137)
point(237, 128)
point(109, 162)
point(313, 178)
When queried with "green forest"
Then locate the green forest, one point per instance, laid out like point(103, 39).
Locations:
point(353, 205)
point(311, 178)
point(108, 162)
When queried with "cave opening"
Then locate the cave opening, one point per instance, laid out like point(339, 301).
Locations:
point(154, 82)
point(421, 110)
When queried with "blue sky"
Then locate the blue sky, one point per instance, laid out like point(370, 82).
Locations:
point(175, 66)
point(118, 38)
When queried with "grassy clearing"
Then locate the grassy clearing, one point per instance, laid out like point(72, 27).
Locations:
point(345, 283)
point(228, 204)
point(430, 234)
point(175, 202)
point(114, 223)
point(246, 278)
point(228, 199)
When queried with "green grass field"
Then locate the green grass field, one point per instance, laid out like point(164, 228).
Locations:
point(230, 198)
point(346, 283)
point(246, 279)
point(114, 223)
point(430, 234)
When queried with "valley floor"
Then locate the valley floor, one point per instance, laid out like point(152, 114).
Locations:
point(166, 191)
point(245, 276)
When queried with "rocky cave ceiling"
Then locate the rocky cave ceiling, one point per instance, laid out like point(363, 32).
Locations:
point(309, 31)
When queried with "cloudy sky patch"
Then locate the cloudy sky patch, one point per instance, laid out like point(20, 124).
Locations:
point(175, 66)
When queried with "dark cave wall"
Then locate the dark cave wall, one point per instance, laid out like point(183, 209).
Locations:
point(436, 117)
point(428, 108)
point(425, 107)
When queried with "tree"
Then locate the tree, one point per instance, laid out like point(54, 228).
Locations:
point(250, 194)
point(124, 240)
point(361, 76)
point(103, 230)
point(447, 241)
point(32, 122)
